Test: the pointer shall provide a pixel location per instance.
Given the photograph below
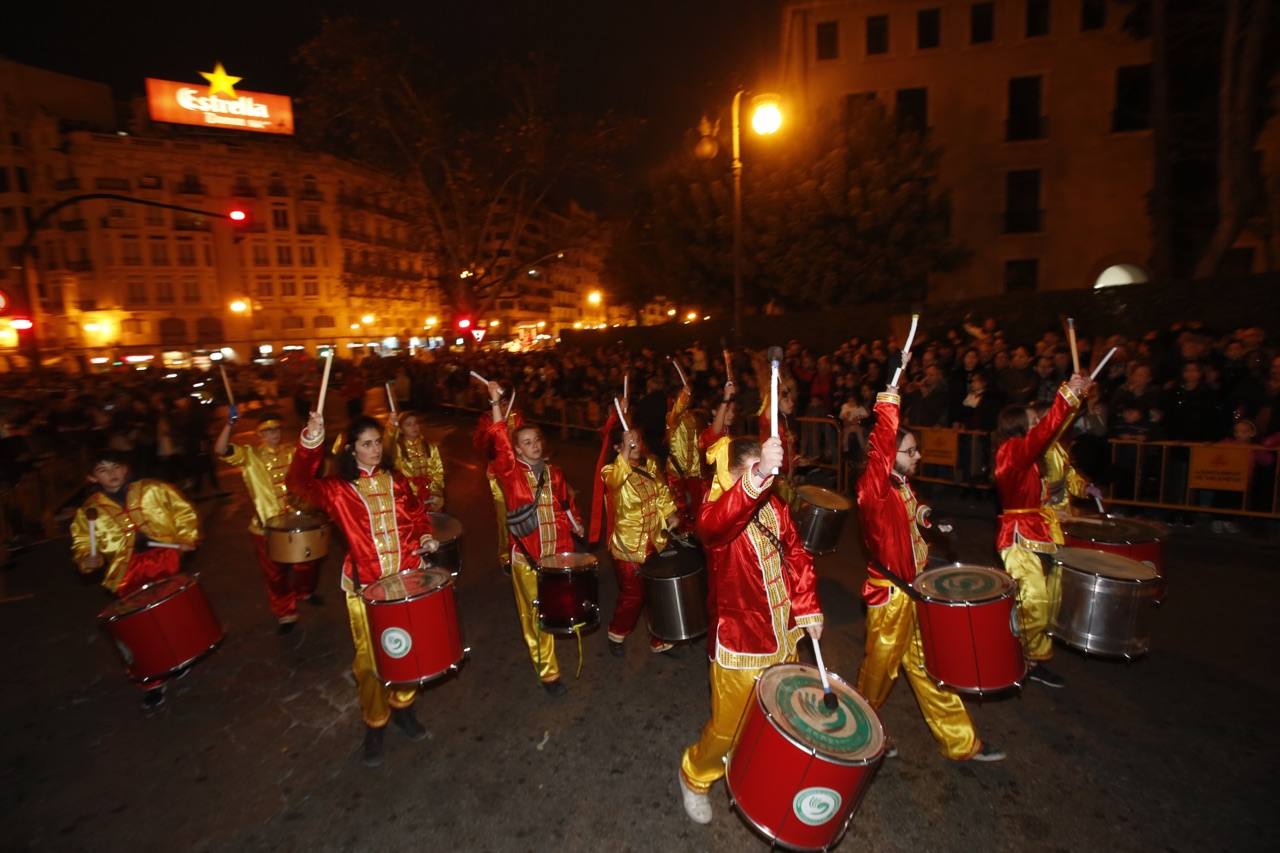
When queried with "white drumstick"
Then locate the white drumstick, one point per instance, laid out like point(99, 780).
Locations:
point(479, 378)
point(1102, 364)
point(1097, 500)
point(906, 349)
point(92, 515)
point(775, 357)
point(1071, 338)
point(622, 419)
point(226, 383)
point(683, 381)
point(828, 698)
point(174, 545)
point(391, 399)
point(511, 404)
point(626, 385)
point(324, 382)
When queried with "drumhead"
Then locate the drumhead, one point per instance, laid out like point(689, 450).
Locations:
point(675, 562)
point(1115, 531)
point(405, 586)
point(824, 498)
point(792, 695)
point(296, 520)
point(962, 582)
point(445, 528)
point(148, 595)
point(568, 561)
point(1105, 565)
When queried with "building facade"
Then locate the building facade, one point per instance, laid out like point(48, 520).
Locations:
point(1041, 109)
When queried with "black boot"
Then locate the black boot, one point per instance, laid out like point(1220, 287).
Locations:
point(372, 747)
point(407, 722)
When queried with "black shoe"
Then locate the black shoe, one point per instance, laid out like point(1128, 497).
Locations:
point(153, 698)
point(407, 722)
point(1046, 676)
point(286, 627)
point(315, 599)
point(555, 688)
point(372, 747)
point(617, 649)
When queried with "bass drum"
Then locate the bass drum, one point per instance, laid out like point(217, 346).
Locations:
point(969, 628)
point(675, 589)
point(568, 593)
point(298, 536)
point(819, 516)
point(1135, 538)
point(1106, 600)
point(162, 627)
point(413, 626)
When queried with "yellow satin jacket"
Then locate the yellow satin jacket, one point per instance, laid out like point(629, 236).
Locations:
point(152, 508)
point(263, 470)
point(641, 504)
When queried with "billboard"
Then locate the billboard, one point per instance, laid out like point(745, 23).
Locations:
point(218, 104)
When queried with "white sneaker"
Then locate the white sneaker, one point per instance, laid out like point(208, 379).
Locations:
point(696, 806)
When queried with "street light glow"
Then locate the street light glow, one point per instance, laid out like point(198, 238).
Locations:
point(767, 115)
point(367, 319)
point(692, 315)
point(595, 297)
point(239, 306)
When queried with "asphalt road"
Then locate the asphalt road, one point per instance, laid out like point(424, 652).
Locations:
point(258, 749)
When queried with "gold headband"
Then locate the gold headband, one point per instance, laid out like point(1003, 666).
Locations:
point(268, 424)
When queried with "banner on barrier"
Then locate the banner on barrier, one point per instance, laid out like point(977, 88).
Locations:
point(938, 446)
point(1217, 467)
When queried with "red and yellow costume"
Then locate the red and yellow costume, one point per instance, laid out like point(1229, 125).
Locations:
point(684, 461)
point(890, 519)
point(1027, 525)
point(782, 484)
point(1062, 482)
point(384, 524)
point(419, 461)
point(149, 510)
point(519, 483)
point(481, 441)
point(264, 470)
point(765, 598)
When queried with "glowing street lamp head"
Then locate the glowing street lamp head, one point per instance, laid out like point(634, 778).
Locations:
point(239, 306)
point(766, 115)
point(367, 319)
point(595, 297)
point(237, 216)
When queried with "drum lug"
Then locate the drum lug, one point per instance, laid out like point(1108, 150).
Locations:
point(466, 650)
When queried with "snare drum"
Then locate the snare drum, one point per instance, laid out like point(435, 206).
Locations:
point(1105, 602)
point(446, 530)
point(162, 627)
point(413, 626)
point(819, 515)
point(675, 592)
point(798, 770)
point(1134, 538)
point(568, 593)
point(969, 628)
point(298, 536)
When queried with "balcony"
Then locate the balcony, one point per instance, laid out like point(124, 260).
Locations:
point(191, 188)
point(310, 194)
point(312, 228)
point(278, 190)
point(1023, 221)
point(1023, 127)
point(244, 191)
point(72, 225)
point(117, 184)
point(66, 184)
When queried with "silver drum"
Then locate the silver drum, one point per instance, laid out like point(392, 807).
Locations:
point(1105, 602)
point(675, 591)
point(819, 515)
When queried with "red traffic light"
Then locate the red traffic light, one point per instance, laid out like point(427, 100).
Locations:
point(238, 215)
point(464, 323)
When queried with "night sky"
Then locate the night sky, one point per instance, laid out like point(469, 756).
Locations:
point(662, 61)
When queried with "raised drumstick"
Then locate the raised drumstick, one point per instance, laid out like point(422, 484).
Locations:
point(906, 349)
point(324, 381)
point(775, 360)
point(1102, 364)
point(226, 383)
point(511, 404)
point(1071, 338)
point(92, 515)
point(622, 419)
point(391, 400)
point(828, 698)
point(626, 385)
point(683, 381)
point(477, 377)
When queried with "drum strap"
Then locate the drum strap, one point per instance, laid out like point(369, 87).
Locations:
point(894, 579)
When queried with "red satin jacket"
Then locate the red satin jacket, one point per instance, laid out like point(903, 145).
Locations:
point(519, 484)
point(379, 515)
point(1022, 492)
point(482, 438)
point(762, 599)
point(887, 507)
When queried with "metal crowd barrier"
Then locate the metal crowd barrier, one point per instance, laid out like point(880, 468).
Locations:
point(819, 440)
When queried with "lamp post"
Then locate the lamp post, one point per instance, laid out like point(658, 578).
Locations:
point(766, 118)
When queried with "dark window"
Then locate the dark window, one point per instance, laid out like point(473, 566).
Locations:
point(1133, 98)
point(4, 180)
point(877, 34)
point(913, 109)
point(827, 37)
point(23, 184)
point(322, 321)
point(279, 217)
point(1024, 120)
point(982, 23)
point(1021, 274)
point(928, 28)
point(1093, 14)
point(1037, 18)
point(1022, 201)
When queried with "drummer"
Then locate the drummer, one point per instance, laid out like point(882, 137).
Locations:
point(764, 583)
point(387, 531)
point(132, 515)
point(642, 511)
point(1025, 535)
point(416, 458)
point(1062, 480)
point(482, 441)
point(531, 484)
point(684, 461)
point(264, 467)
point(891, 518)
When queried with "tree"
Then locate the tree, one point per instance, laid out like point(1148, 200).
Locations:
point(840, 213)
point(480, 163)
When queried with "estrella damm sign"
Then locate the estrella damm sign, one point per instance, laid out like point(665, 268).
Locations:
point(218, 104)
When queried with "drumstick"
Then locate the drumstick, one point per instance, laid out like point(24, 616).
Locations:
point(1071, 337)
point(511, 404)
point(154, 544)
point(324, 381)
point(728, 365)
point(391, 399)
point(828, 698)
point(477, 377)
point(621, 417)
point(1102, 364)
point(92, 515)
point(683, 381)
point(775, 357)
point(1097, 500)
point(226, 383)
point(906, 349)
point(626, 385)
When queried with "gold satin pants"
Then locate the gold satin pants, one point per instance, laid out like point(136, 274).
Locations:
point(500, 509)
point(1038, 599)
point(893, 642)
point(731, 689)
point(542, 646)
point(376, 701)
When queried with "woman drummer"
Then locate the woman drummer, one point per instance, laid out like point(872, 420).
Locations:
point(416, 458)
point(387, 531)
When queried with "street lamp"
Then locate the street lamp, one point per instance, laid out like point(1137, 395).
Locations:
point(766, 119)
point(245, 306)
point(594, 298)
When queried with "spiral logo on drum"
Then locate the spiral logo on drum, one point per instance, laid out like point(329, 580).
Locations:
point(816, 806)
point(396, 642)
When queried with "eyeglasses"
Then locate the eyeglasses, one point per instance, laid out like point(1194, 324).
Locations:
point(910, 451)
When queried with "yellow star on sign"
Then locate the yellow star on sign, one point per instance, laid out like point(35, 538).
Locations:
point(220, 82)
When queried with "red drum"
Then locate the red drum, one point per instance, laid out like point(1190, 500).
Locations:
point(162, 627)
point(969, 627)
point(1134, 538)
point(413, 626)
point(798, 770)
point(568, 593)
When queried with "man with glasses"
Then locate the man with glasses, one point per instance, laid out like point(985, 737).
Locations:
point(891, 518)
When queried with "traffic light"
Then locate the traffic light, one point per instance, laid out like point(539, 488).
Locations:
point(239, 218)
point(464, 323)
